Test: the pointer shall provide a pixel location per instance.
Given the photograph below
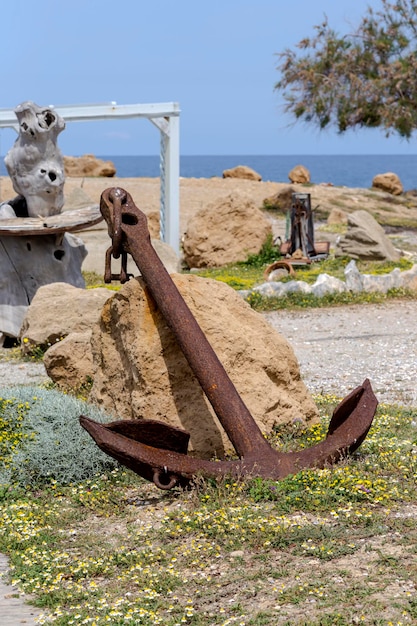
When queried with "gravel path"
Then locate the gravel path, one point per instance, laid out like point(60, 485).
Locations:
point(337, 348)
point(14, 609)
point(14, 372)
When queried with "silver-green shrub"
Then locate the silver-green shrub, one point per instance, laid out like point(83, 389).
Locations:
point(55, 446)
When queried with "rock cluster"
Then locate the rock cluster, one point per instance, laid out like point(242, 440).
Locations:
point(61, 318)
point(139, 370)
point(354, 282)
point(225, 231)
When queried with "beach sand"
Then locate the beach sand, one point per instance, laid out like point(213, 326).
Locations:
point(195, 193)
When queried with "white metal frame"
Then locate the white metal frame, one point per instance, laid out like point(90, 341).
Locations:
point(165, 116)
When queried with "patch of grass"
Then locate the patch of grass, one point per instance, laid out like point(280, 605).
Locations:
point(337, 228)
point(236, 276)
point(113, 549)
point(94, 280)
point(245, 276)
point(303, 301)
point(404, 223)
point(384, 267)
point(268, 254)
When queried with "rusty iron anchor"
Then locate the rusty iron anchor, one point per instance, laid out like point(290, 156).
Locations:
point(157, 451)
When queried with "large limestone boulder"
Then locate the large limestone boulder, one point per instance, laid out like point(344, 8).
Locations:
point(366, 239)
point(388, 182)
point(242, 172)
point(88, 165)
point(225, 231)
point(59, 309)
point(299, 174)
point(141, 373)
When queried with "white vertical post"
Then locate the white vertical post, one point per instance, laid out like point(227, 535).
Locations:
point(171, 182)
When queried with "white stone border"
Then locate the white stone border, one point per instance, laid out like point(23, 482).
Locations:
point(355, 282)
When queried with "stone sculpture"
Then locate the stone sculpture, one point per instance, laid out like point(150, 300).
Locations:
point(35, 163)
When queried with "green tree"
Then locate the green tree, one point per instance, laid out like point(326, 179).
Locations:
point(367, 78)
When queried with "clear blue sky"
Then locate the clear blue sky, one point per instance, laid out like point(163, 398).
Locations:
point(217, 59)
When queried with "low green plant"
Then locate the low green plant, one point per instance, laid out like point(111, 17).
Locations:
point(234, 275)
point(42, 440)
point(93, 280)
point(269, 253)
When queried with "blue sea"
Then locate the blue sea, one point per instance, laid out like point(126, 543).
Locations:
point(347, 170)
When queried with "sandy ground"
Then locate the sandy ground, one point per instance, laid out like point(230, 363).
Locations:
point(194, 192)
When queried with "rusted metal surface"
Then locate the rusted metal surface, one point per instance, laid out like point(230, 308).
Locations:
point(157, 451)
point(279, 265)
point(300, 235)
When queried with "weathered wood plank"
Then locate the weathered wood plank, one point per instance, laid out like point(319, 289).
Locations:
point(68, 221)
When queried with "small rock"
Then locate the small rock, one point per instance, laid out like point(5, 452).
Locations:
point(388, 182)
point(299, 174)
point(353, 278)
point(59, 309)
point(243, 172)
point(69, 363)
point(365, 239)
point(327, 284)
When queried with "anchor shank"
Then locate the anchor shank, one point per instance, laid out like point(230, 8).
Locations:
point(229, 407)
